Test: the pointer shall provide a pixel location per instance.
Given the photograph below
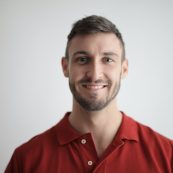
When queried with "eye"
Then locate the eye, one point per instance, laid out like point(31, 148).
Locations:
point(107, 60)
point(82, 60)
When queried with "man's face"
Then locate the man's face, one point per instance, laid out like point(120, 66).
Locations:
point(95, 69)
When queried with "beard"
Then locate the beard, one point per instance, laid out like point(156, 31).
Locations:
point(93, 103)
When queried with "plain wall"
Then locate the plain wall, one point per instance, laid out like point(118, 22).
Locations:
point(34, 94)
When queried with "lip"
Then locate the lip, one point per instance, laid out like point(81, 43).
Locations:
point(94, 86)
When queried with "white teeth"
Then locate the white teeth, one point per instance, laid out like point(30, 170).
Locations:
point(94, 86)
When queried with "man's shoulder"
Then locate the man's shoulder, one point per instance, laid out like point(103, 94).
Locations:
point(46, 141)
point(148, 135)
point(43, 141)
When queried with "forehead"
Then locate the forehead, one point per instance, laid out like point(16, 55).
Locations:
point(95, 43)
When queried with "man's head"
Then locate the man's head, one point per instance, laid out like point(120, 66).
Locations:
point(95, 62)
point(92, 25)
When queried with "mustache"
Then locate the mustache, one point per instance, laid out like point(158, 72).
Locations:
point(98, 81)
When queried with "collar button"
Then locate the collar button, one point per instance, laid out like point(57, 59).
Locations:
point(83, 141)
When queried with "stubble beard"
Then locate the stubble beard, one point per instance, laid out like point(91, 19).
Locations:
point(93, 103)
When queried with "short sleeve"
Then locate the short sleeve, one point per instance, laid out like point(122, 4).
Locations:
point(13, 165)
point(172, 157)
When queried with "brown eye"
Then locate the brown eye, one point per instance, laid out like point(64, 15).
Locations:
point(82, 60)
point(107, 60)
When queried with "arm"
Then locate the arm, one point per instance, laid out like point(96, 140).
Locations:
point(14, 165)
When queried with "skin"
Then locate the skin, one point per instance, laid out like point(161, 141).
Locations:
point(95, 69)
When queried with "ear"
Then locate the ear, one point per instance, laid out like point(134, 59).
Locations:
point(124, 69)
point(64, 63)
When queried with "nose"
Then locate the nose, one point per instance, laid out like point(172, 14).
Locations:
point(94, 71)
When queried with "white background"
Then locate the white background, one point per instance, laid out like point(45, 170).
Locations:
point(34, 94)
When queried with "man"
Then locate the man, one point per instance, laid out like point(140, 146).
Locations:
point(95, 137)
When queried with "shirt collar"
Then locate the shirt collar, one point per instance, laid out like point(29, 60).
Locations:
point(128, 130)
point(65, 133)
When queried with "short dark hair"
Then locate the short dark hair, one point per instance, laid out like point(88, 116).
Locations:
point(91, 25)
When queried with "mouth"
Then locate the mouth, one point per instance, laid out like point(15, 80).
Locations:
point(94, 86)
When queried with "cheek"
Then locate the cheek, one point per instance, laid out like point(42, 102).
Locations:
point(76, 74)
point(114, 75)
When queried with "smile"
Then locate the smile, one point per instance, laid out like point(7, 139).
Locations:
point(94, 87)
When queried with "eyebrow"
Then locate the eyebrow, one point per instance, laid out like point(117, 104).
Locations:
point(87, 53)
point(81, 52)
point(110, 54)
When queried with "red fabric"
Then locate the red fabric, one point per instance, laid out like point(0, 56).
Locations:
point(135, 149)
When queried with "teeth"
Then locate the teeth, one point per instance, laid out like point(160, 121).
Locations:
point(94, 86)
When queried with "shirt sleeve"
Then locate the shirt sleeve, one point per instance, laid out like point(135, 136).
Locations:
point(13, 165)
point(172, 157)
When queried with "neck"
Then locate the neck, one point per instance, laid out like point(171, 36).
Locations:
point(103, 124)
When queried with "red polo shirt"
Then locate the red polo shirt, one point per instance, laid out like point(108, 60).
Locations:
point(135, 149)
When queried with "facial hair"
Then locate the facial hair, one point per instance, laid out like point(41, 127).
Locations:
point(93, 103)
